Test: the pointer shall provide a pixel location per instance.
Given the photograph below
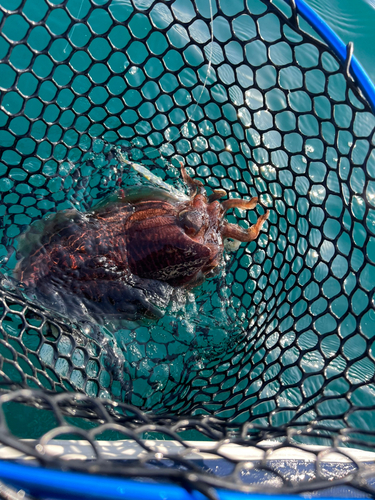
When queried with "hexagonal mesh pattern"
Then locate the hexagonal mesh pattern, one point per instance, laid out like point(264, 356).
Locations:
point(119, 441)
point(253, 105)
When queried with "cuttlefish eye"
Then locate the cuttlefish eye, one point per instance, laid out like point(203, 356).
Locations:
point(191, 220)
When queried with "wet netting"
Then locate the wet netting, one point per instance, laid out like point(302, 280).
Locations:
point(254, 103)
point(99, 436)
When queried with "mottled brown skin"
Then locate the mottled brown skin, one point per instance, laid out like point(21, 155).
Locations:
point(112, 257)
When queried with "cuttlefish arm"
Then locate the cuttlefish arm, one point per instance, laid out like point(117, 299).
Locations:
point(244, 235)
point(238, 203)
point(193, 184)
point(216, 195)
point(230, 230)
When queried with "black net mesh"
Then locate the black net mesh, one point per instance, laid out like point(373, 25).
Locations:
point(118, 440)
point(252, 104)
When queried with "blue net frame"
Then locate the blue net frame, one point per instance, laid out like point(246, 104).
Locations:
point(256, 102)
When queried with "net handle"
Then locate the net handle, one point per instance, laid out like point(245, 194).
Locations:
point(339, 48)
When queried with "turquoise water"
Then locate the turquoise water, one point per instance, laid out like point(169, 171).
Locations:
point(353, 21)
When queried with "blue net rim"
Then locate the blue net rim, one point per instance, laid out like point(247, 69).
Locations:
point(339, 48)
point(54, 484)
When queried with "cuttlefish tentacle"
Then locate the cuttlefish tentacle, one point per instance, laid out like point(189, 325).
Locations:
point(238, 233)
point(238, 203)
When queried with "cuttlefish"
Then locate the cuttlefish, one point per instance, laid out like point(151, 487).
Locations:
point(128, 254)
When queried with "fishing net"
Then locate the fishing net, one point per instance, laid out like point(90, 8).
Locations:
point(253, 102)
point(248, 458)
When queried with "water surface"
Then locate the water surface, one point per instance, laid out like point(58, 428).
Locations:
point(353, 21)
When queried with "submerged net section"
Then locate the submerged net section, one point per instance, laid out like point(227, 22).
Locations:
point(253, 105)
